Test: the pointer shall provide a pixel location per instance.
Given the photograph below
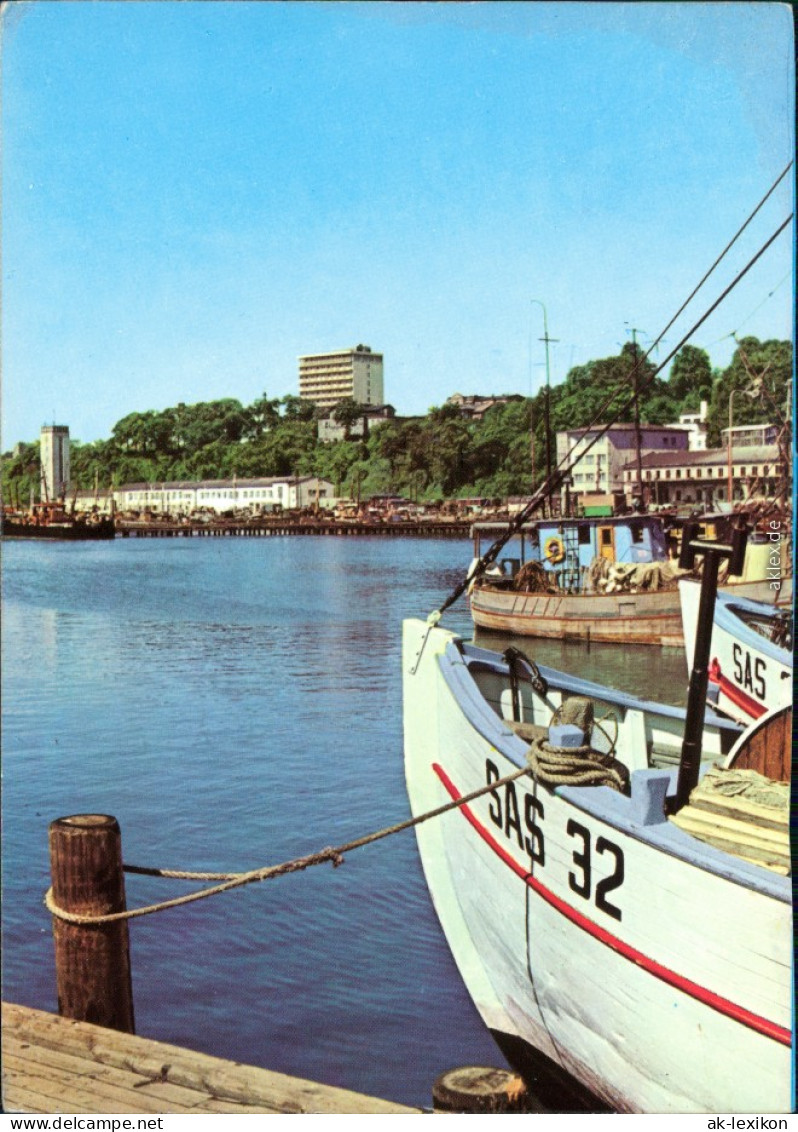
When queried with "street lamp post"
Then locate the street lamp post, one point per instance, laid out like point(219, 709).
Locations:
point(729, 452)
point(547, 421)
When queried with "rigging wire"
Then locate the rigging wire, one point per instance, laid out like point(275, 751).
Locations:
point(728, 247)
point(750, 315)
point(562, 469)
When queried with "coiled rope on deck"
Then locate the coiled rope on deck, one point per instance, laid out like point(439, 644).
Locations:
point(582, 765)
point(231, 881)
point(574, 766)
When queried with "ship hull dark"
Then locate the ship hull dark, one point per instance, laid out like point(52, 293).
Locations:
point(64, 532)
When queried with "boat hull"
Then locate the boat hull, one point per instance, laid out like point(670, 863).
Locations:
point(587, 927)
point(67, 531)
point(748, 674)
point(641, 618)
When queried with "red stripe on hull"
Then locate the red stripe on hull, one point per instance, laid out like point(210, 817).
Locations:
point(741, 699)
point(701, 994)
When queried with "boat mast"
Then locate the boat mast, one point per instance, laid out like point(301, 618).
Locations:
point(547, 411)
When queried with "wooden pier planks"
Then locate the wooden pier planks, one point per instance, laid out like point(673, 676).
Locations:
point(54, 1065)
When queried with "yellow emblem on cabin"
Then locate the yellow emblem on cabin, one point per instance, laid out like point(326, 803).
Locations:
point(554, 550)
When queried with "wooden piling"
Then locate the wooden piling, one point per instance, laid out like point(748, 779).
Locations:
point(479, 1089)
point(92, 961)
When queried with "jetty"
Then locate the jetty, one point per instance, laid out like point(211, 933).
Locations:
point(54, 1065)
point(233, 528)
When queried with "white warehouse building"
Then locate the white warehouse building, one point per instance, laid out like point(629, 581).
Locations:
point(185, 497)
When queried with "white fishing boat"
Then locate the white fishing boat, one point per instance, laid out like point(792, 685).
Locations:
point(619, 922)
point(751, 652)
point(596, 937)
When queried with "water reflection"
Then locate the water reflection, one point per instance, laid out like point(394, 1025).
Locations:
point(651, 672)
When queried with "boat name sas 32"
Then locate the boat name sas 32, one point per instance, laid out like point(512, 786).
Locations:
point(505, 812)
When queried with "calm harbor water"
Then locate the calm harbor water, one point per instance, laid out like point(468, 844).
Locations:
point(237, 703)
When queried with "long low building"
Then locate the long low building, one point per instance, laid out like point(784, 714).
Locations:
point(186, 497)
point(703, 477)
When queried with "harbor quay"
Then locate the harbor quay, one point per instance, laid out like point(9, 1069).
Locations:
point(53, 1064)
point(266, 528)
point(88, 1057)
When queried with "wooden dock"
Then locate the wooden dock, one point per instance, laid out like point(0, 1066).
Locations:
point(270, 528)
point(53, 1065)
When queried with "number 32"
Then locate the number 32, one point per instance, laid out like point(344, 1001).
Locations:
point(581, 884)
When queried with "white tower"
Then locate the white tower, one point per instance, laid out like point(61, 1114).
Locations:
point(54, 450)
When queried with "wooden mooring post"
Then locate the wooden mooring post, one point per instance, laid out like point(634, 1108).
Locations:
point(92, 961)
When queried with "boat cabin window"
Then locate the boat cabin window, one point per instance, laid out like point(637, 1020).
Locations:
point(606, 536)
point(636, 530)
point(584, 534)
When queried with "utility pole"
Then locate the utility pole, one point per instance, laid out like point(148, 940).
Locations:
point(546, 339)
point(634, 330)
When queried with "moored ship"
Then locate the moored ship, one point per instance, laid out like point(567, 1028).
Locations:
point(52, 521)
point(610, 580)
point(586, 579)
point(751, 654)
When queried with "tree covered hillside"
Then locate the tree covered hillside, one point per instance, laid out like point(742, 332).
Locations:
point(439, 455)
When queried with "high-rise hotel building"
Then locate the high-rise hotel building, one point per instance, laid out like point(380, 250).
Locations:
point(327, 379)
point(54, 457)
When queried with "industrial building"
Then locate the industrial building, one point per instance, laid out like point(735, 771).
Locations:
point(601, 469)
point(187, 497)
point(703, 478)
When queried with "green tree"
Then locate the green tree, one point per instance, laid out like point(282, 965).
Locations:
point(347, 413)
point(262, 415)
point(762, 373)
point(602, 390)
point(20, 475)
point(91, 464)
point(690, 376)
point(390, 445)
point(449, 442)
point(295, 408)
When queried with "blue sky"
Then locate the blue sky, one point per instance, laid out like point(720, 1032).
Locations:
point(196, 193)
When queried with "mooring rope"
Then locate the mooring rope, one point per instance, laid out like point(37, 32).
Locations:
point(238, 880)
